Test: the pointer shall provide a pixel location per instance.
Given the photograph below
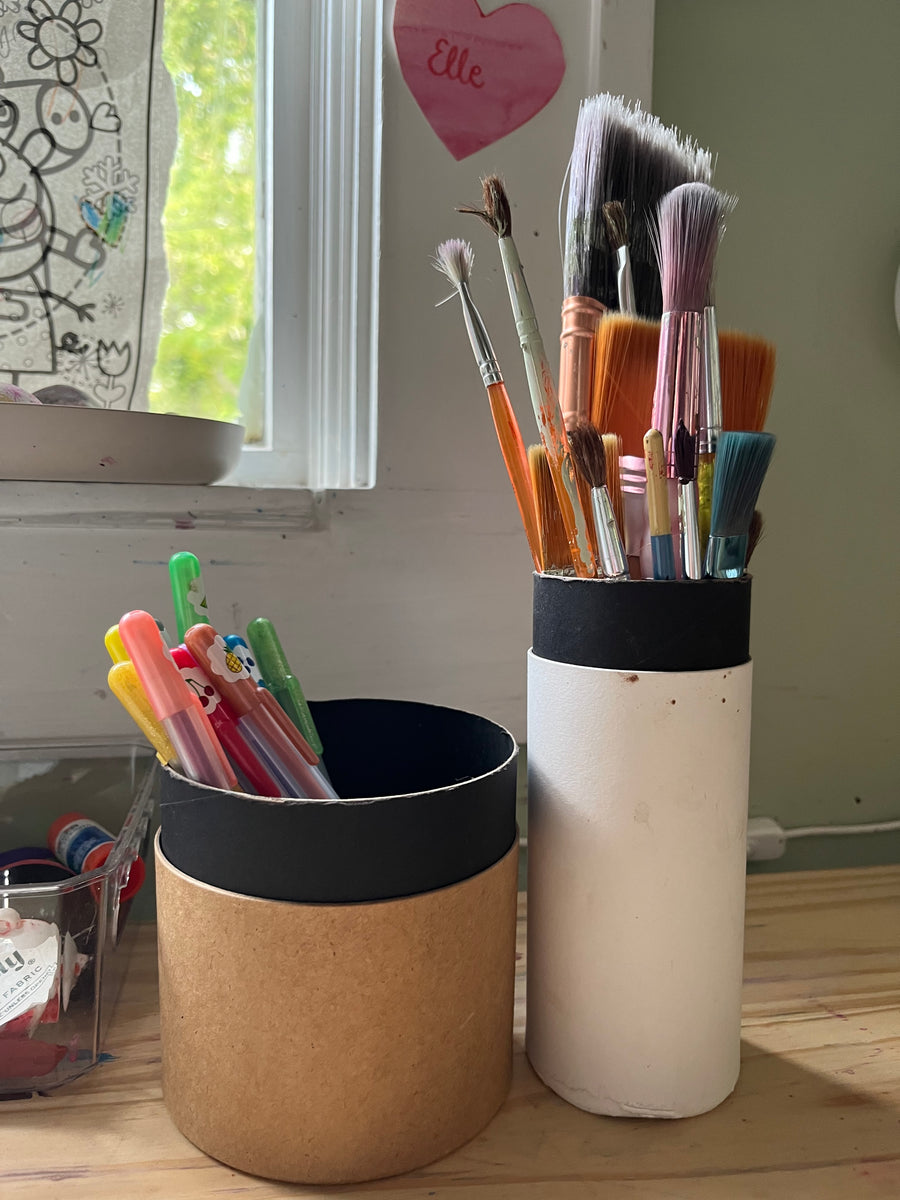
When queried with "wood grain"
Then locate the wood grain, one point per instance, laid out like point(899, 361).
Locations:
point(816, 1114)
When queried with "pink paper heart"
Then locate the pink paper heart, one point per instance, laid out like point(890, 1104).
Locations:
point(476, 76)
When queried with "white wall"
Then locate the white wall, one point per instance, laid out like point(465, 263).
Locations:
point(420, 588)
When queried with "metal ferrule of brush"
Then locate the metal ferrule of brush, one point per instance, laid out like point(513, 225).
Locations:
point(676, 396)
point(579, 318)
point(624, 281)
point(726, 556)
point(710, 384)
point(478, 336)
point(691, 562)
point(609, 540)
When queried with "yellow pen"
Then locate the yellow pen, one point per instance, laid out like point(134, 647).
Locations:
point(125, 686)
point(114, 645)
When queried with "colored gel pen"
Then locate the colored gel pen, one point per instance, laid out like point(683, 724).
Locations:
point(224, 725)
point(284, 685)
point(235, 642)
point(125, 686)
point(188, 592)
point(297, 777)
point(176, 707)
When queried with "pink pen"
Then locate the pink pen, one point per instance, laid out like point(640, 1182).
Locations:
point(287, 765)
point(176, 707)
point(224, 725)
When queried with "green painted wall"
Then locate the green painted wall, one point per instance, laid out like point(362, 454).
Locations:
point(801, 100)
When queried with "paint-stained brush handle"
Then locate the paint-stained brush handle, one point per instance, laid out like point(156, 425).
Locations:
point(547, 411)
point(658, 506)
point(513, 450)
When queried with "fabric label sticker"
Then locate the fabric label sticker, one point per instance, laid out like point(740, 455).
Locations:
point(27, 976)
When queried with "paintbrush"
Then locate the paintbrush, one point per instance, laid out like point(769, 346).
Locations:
point(742, 460)
point(747, 369)
point(685, 467)
point(589, 456)
point(497, 215)
point(554, 544)
point(616, 223)
point(627, 349)
point(755, 533)
point(710, 420)
point(743, 373)
point(658, 506)
point(584, 260)
point(690, 222)
point(624, 378)
point(455, 259)
point(612, 448)
point(619, 153)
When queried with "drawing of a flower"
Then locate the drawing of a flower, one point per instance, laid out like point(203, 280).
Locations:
point(112, 359)
point(61, 38)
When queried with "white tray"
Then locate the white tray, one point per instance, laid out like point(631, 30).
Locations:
point(90, 445)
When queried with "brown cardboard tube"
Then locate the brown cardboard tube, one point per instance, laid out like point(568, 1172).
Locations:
point(336, 1043)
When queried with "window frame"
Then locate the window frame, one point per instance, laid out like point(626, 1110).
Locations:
point(319, 209)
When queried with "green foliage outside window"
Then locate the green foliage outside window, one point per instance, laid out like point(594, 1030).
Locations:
point(209, 48)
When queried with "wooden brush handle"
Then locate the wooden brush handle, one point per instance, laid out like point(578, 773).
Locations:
point(657, 488)
point(580, 315)
point(513, 450)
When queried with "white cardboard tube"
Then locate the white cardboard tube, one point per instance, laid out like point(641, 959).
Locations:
point(637, 795)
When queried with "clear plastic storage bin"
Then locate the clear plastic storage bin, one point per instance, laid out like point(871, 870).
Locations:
point(64, 945)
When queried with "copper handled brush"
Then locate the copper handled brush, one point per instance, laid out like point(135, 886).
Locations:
point(455, 259)
point(626, 156)
point(583, 262)
point(497, 215)
point(691, 221)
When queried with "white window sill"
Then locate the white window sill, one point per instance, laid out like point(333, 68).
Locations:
point(31, 504)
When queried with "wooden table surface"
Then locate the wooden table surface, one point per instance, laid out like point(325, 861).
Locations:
point(816, 1114)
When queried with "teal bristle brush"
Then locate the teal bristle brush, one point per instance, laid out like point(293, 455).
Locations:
point(742, 460)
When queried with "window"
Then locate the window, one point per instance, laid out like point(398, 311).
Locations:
point(271, 227)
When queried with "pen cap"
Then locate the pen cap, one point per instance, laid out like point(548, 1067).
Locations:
point(159, 677)
point(114, 647)
point(188, 592)
point(269, 655)
point(236, 643)
point(224, 668)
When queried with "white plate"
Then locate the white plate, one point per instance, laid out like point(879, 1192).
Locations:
point(106, 445)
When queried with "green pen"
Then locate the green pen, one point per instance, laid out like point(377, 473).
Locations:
point(188, 592)
point(284, 686)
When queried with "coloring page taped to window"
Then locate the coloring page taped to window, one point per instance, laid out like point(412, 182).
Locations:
point(87, 136)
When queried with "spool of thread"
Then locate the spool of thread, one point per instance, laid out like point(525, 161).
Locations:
point(83, 846)
point(31, 864)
